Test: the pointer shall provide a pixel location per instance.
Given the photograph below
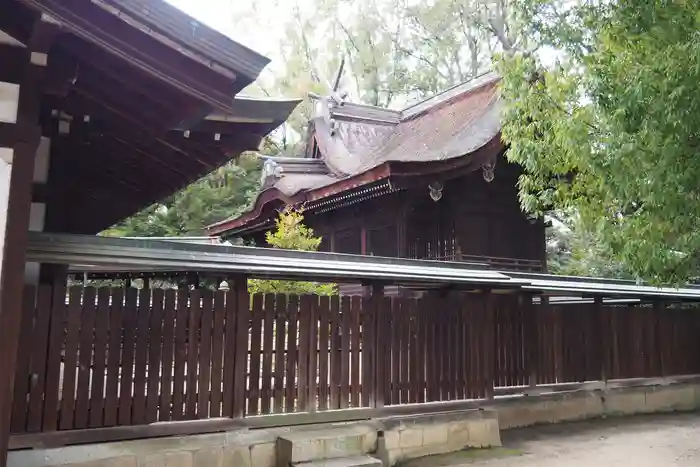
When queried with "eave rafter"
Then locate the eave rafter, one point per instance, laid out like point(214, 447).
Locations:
point(83, 103)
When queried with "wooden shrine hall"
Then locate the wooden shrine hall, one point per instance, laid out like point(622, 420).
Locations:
point(427, 182)
point(107, 106)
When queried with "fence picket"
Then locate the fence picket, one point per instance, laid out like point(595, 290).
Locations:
point(168, 354)
point(267, 353)
point(41, 339)
point(133, 357)
point(183, 317)
point(22, 376)
point(281, 319)
point(336, 356)
point(204, 361)
point(100, 360)
point(347, 330)
point(291, 372)
point(114, 357)
point(217, 354)
point(155, 350)
point(323, 346)
point(255, 356)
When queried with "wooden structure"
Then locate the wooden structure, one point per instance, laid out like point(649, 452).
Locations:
point(105, 107)
point(104, 364)
point(231, 360)
point(427, 182)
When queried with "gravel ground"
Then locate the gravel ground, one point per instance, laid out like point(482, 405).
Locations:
point(644, 441)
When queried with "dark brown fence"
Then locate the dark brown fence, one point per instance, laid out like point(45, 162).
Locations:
point(124, 357)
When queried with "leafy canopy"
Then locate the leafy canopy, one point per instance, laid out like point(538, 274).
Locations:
point(291, 234)
point(610, 132)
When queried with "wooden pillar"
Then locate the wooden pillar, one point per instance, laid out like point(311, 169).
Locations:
point(238, 348)
point(18, 144)
point(363, 239)
point(489, 349)
point(661, 336)
point(603, 332)
point(379, 340)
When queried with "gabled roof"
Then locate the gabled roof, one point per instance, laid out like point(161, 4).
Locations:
point(451, 124)
point(355, 144)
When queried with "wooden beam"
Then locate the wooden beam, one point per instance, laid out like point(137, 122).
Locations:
point(12, 134)
point(12, 61)
point(127, 123)
point(16, 20)
point(98, 62)
point(246, 139)
point(140, 109)
point(15, 246)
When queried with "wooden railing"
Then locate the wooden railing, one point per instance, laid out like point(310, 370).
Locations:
point(128, 358)
point(506, 264)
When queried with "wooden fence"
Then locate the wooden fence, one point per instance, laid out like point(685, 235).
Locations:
point(124, 357)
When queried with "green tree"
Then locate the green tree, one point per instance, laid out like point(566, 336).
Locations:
point(609, 131)
point(226, 192)
point(571, 251)
point(291, 234)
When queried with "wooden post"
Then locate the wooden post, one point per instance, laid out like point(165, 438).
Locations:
point(363, 240)
point(490, 344)
point(602, 334)
point(240, 344)
point(661, 336)
point(530, 316)
point(18, 153)
point(379, 340)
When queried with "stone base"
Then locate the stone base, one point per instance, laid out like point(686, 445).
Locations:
point(522, 411)
point(393, 439)
point(330, 443)
point(411, 437)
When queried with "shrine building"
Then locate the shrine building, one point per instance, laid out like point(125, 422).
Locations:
point(426, 182)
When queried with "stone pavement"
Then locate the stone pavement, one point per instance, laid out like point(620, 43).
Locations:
point(642, 441)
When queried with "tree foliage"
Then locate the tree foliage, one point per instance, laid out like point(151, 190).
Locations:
point(609, 132)
point(571, 251)
point(224, 193)
point(291, 234)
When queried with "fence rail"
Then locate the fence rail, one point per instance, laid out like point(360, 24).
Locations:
point(124, 357)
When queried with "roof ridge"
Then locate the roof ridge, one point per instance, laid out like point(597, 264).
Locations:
point(444, 96)
point(365, 113)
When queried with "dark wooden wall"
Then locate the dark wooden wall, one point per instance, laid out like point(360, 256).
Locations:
point(473, 217)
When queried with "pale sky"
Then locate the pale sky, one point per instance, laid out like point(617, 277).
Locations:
point(233, 18)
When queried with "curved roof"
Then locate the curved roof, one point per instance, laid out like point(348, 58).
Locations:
point(355, 140)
